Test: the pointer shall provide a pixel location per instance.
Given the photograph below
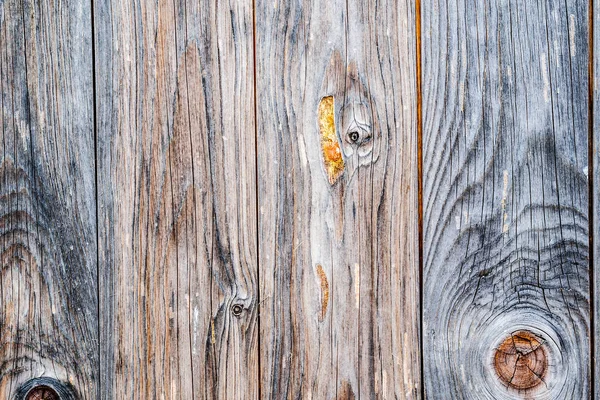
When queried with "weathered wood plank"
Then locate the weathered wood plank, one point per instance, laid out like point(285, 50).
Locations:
point(595, 185)
point(176, 154)
point(338, 217)
point(48, 256)
point(505, 199)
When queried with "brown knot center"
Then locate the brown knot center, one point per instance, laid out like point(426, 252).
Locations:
point(42, 393)
point(520, 360)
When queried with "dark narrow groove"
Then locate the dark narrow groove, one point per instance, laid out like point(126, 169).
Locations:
point(420, 185)
point(95, 126)
point(592, 285)
point(258, 303)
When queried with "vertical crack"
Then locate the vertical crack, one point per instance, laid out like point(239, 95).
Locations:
point(257, 243)
point(420, 185)
point(591, 197)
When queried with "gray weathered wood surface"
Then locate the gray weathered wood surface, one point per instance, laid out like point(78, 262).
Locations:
point(505, 195)
point(177, 215)
point(277, 195)
point(593, 172)
point(48, 274)
point(338, 262)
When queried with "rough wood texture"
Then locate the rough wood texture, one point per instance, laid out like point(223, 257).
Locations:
point(338, 252)
point(176, 155)
point(594, 175)
point(505, 196)
point(48, 275)
point(331, 215)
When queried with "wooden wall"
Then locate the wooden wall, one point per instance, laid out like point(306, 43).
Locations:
point(299, 199)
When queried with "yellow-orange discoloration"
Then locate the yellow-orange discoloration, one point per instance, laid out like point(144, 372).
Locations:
point(324, 291)
point(330, 146)
point(213, 337)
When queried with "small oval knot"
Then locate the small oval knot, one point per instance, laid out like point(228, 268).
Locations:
point(358, 134)
point(521, 360)
point(237, 309)
point(357, 139)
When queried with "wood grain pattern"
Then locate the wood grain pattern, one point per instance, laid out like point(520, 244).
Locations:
point(594, 179)
point(48, 267)
point(156, 296)
point(338, 257)
point(505, 196)
point(176, 155)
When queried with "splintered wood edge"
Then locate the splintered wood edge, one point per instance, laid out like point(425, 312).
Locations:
point(330, 146)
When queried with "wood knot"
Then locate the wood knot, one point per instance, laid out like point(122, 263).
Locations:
point(46, 388)
point(237, 309)
point(356, 123)
point(348, 127)
point(42, 393)
point(521, 360)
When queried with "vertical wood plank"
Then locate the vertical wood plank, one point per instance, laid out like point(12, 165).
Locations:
point(177, 194)
point(338, 215)
point(505, 199)
point(48, 256)
point(595, 185)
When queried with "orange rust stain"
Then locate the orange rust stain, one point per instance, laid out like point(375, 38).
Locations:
point(330, 146)
point(324, 291)
point(521, 361)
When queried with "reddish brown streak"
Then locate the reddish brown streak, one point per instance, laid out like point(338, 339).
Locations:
point(324, 291)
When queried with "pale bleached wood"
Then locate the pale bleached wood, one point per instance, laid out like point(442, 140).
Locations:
point(505, 193)
point(48, 286)
point(339, 312)
point(176, 172)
